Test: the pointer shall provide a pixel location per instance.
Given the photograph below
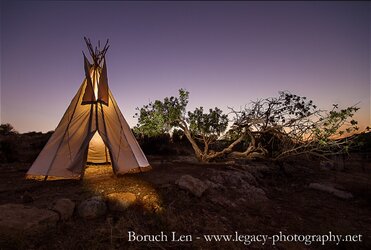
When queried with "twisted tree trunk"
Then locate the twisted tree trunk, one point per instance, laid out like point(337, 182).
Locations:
point(205, 155)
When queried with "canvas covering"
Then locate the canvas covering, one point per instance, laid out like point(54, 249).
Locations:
point(67, 151)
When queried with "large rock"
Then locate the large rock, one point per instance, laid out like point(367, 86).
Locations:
point(120, 201)
point(192, 184)
point(92, 208)
point(233, 178)
point(64, 207)
point(18, 219)
point(239, 182)
point(330, 189)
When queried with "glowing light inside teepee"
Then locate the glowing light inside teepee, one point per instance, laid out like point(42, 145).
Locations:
point(95, 84)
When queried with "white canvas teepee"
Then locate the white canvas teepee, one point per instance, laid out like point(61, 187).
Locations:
point(92, 129)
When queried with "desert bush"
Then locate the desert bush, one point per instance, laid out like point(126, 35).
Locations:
point(9, 148)
point(15, 147)
point(157, 145)
point(7, 129)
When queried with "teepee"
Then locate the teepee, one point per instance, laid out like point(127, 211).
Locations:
point(92, 129)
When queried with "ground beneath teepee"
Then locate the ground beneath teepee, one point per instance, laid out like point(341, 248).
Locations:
point(244, 200)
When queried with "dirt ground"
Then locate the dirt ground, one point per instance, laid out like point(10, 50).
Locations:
point(292, 207)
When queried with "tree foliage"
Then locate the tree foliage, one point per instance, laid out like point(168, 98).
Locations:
point(275, 127)
point(199, 127)
point(159, 117)
point(7, 129)
point(151, 120)
point(290, 125)
point(211, 124)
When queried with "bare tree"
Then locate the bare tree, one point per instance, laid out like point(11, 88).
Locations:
point(291, 125)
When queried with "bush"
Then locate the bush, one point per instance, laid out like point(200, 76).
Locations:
point(7, 129)
point(156, 145)
point(9, 149)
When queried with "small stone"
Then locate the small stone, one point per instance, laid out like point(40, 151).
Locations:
point(330, 189)
point(65, 208)
point(92, 208)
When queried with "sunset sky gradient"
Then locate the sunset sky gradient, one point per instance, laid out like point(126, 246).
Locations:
point(224, 53)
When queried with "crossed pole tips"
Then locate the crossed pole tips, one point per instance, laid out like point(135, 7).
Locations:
point(96, 53)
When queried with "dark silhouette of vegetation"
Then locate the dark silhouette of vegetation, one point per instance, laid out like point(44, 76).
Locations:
point(7, 129)
point(16, 147)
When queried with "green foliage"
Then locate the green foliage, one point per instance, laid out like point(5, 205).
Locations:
point(173, 109)
point(287, 108)
point(336, 123)
point(159, 117)
point(162, 116)
point(275, 127)
point(211, 124)
point(150, 120)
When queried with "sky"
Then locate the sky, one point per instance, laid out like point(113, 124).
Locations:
point(225, 54)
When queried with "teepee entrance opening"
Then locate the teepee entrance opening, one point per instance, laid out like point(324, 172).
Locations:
point(98, 152)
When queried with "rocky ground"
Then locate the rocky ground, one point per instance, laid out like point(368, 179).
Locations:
point(182, 197)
